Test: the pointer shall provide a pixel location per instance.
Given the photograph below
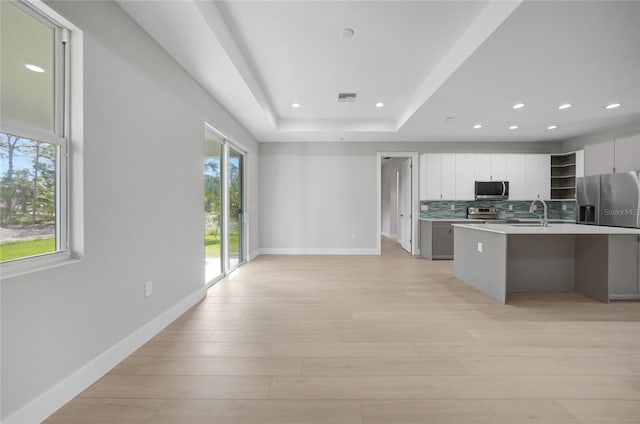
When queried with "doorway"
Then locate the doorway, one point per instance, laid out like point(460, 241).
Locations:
point(224, 199)
point(398, 204)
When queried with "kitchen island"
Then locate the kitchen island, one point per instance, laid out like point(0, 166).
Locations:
point(599, 262)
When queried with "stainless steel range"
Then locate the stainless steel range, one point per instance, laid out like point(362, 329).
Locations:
point(483, 213)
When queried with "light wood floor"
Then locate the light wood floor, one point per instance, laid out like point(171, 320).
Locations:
point(388, 339)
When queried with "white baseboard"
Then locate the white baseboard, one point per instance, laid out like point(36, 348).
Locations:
point(255, 254)
point(317, 251)
point(393, 236)
point(50, 401)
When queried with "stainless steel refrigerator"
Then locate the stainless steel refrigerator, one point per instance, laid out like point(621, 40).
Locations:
point(620, 199)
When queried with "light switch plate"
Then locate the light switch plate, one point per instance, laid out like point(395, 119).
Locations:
point(510, 207)
point(453, 207)
point(424, 208)
point(564, 207)
point(480, 246)
point(148, 288)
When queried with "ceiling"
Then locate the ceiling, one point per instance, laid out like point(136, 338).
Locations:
point(439, 67)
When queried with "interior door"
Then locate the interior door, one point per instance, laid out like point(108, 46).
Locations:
point(405, 205)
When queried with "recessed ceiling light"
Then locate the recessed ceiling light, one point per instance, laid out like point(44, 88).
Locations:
point(476, 126)
point(379, 104)
point(518, 105)
point(552, 127)
point(612, 106)
point(513, 127)
point(34, 68)
point(564, 106)
point(295, 105)
point(348, 32)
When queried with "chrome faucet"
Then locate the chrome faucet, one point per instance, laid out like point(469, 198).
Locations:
point(544, 222)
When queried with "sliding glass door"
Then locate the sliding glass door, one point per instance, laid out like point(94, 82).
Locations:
point(235, 167)
point(213, 173)
point(223, 206)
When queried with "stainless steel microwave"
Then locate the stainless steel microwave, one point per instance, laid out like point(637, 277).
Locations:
point(492, 190)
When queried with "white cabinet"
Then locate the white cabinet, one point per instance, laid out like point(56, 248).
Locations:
point(538, 176)
point(516, 176)
point(627, 154)
point(599, 158)
point(620, 155)
point(580, 163)
point(448, 176)
point(482, 165)
point(465, 177)
point(490, 167)
point(430, 178)
point(499, 167)
point(437, 176)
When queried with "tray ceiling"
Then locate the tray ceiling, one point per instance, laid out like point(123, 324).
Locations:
point(439, 67)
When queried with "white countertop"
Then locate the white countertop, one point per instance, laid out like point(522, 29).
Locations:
point(521, 220)
point(450, 219)
point(551, 229)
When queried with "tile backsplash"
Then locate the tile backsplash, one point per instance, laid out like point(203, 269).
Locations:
point(442, 209)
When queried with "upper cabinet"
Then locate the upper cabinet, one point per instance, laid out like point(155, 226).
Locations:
point(627, 154)
point(579, 163)
point(538, 176)
point(490, 167)
point(482, 166)
point(465, 176)
point(499, 167)
point(516, 175)
point(598, 158)
point(448, 176)
point(437, 176)
point(620, 155)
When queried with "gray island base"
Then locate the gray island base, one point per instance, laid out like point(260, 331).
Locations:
point(602, 263)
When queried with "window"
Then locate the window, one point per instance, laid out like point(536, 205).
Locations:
point(33, 134)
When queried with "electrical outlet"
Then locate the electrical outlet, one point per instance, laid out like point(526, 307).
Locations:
point(535, 207)
point(453, 207)
point(480, 247)
point(424, 208)
point(564, 207)
point(510, 207)
point(148, 288)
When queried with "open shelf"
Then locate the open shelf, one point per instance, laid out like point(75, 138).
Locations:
point(563, 176)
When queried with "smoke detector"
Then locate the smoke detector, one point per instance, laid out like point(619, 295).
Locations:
point(346, 97)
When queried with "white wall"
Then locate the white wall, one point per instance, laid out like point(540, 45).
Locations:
point(315, 196)
point(143, 210)
point(390, 196)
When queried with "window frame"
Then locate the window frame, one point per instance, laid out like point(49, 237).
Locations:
point(59, 137)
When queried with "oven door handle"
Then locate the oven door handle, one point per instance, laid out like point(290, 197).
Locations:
point(504, 189)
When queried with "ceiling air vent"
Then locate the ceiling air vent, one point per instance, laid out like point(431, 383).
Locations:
point(346, 97)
